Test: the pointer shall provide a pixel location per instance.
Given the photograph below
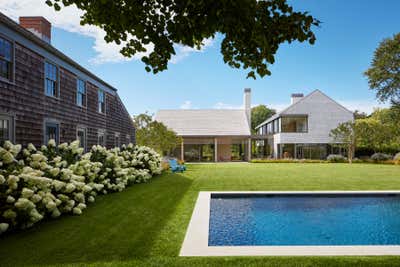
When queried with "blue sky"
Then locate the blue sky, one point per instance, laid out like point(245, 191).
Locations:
point(349, 33)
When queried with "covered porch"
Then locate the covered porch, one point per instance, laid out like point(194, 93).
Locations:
point(214, 149)
point(223, 148)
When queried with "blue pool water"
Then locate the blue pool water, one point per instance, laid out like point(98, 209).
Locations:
point(254, 220)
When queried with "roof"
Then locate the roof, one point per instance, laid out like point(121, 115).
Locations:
point(35, 39)
point(205, 122)
point(283, 112)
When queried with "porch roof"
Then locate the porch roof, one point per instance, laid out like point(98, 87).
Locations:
point(205, 122)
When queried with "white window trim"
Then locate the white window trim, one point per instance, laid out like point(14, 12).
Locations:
point(98, 101)
point(101, 132)
point(11, 118)
point(115, 139)
point(58, 79)
point(86, 92)
point(84, 129)
point(53, 121)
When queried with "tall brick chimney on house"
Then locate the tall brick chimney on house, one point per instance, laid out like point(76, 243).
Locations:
point(39, 26)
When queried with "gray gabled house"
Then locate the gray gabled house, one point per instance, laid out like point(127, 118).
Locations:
point(211, 134)
point(302, 129)
point(299, 131)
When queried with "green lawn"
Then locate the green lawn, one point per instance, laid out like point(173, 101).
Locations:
point(145, 225)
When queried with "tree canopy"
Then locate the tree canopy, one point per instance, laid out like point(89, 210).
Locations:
point(384, 73)
point(259, 114)
point(251, 30)
point(155, 134)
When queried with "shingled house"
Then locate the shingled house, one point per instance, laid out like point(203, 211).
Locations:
point(46, 95)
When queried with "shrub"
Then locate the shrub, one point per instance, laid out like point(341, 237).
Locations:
point(287, 161)
point(381, 157)
point(52, 180)
point(336, 158)
point(397, 159)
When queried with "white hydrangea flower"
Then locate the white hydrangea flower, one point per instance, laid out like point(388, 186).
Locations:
point(77, 211)
point(24, 204)
point(56, 213)
point(36, 198)
point(10, 199)
point(27, 193)
point(8, 157)
point(70, 187)
point(9, 214)
point(3, 227)
point(51, 143)
point(54, 171)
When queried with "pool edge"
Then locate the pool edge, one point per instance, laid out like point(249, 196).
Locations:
point(196, 239)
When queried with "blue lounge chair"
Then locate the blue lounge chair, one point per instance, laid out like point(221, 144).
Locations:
point(175, 166)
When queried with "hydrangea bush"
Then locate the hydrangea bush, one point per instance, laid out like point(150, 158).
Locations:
point(53, 180)
point(381, 157)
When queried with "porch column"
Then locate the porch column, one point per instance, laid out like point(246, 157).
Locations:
point(249, 150)
point(182, 151)
point(215, 149)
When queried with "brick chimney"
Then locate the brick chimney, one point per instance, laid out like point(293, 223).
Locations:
point(39, 26)
point(295, 97)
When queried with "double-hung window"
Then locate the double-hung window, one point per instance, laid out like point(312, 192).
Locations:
point(6, 59)
point(81, 136)
point(51, 79)
point(101, 138)
point(117, 140)
point(6, 128)
point(80, 93)
point(52, 131)
point(101, 101)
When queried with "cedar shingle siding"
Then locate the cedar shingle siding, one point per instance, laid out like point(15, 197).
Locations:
point(24, 98)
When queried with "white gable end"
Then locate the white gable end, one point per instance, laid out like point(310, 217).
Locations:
point(324, 114)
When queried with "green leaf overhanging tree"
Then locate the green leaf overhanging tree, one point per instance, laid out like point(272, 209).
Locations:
point(384, 73)
point(251, 30)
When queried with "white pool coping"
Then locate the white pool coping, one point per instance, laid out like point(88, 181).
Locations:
point(196, 239)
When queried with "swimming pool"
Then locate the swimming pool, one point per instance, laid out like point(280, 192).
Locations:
point(294, 223)
point(308, 219)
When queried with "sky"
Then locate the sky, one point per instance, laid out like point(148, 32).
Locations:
point(350, 32)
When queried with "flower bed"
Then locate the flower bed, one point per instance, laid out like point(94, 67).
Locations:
point(53, 180)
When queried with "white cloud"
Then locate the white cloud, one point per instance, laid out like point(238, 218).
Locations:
point(186, 105)
point(68, 19)
point(184, 51)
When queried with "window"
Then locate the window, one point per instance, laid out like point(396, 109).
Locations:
point(128, 139)
point(80, 93)
point(51, 79)
point(276, 126)
point(6, 128)
point(52, 130)
point(295, 124)
point(81, 136)
point(6, 59)
point(101, 140)
point(117, 141)
point(101, 101)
